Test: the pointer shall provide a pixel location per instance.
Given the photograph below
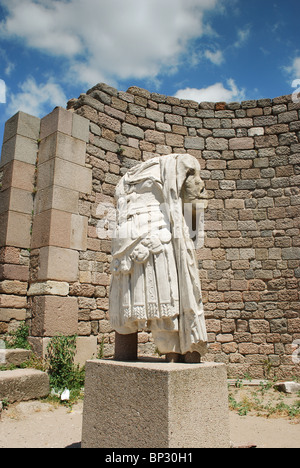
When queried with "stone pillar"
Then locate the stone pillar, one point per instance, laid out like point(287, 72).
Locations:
point(18, 167)
point(58, 231)
point(155, 405)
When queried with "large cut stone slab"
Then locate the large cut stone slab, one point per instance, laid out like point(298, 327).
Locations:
point(14, 356)
point(23, 385)
point(155, 405)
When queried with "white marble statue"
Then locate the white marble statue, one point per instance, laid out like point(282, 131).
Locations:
point(155, 280)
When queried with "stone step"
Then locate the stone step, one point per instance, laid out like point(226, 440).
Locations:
point(14, 356)
point(23, 385)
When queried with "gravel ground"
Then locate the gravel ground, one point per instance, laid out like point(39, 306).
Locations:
point(37, 424)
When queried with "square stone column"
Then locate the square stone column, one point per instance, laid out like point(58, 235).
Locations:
point(18, 167)
point(155, 405)
point(18, 162)
point(59, 232)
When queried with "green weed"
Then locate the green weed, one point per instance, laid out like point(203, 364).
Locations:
point(63, 372)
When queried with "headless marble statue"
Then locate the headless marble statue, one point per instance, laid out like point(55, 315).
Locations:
point(155, 281)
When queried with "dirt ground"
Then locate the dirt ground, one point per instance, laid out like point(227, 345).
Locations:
point(37, 424)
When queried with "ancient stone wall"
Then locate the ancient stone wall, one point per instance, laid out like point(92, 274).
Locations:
point(250, 263)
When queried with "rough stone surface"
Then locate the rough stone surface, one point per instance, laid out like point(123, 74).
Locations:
point(249, 265)
point(53, 315)
point(14, 356)
point(23, 385)
point(155, 405)
point(288, 387)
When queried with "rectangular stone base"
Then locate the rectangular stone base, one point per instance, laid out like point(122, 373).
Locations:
point(23, 385)
point(155, 405)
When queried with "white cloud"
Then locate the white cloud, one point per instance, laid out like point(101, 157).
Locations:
point(294, 69)
point(2, 92)
point(9, 68)
point(106, 39)
point(35, 98)
point(243, 36)
point(7, 65)
point(213, 93)
point(216, 57)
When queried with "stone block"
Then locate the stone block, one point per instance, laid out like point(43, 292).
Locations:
point(174, 140)
point(52, 228)
point(155, 137)
point(54, 315)
point(86, 348)
point(217, 144)
point(173, 119)
point(80, 128)
point(244, 143)
point(152, 114)
point(259, 326)
point(256, 131)
point(60, 229)
point(45, 175)
point(197, 123)
point(58, 198)
point(265, 121)
point(292, 253)
point(8, 301)
point(14, 272)
point(106, 121)
point(59, 120)
point(8, 314)
point(155, 405)
point(72, 176)
point(64, 174)
point(287, 117)
point(78, 235)
point(19, 148)
point(53, 288)
point(16, 200)
point(242, 123)
point(39, 345)
point(13, 286)
point(23, 385)
point(276, 129)
point(266, 141)
point(10, 232)
point(132, 131)
point(64, 147)
point(224, 133)
point(24, 125)
point(14, 356)
point(288, 387)
point(194, 143)
point(20, 201)
point(19, 175)
point(58, 264)
point(4, 201)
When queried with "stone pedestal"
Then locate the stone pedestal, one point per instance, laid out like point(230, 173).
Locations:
point(155, 405)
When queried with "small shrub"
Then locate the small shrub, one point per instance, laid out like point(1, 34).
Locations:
point(18, 338)
point(63, 373)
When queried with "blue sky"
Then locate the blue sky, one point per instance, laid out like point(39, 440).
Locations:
point(206, 50)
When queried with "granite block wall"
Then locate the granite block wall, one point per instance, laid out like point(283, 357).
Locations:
point(250, 263)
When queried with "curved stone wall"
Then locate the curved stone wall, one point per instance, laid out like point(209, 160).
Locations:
point(250, 263)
